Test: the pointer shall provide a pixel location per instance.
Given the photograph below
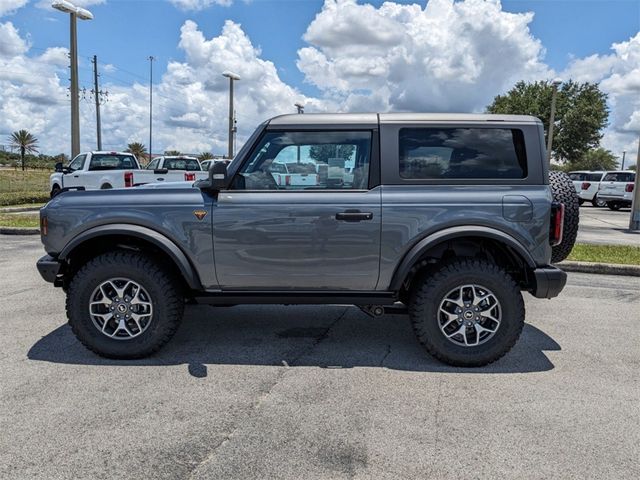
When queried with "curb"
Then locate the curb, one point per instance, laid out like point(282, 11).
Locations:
point(601, 268)
point(19, 209)
point(19, 231)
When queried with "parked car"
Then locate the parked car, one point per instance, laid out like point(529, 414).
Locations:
point(102, 170)
point(206, 164)
point(190, 165)
point(450, 219)
point(616, 189)
point(286, 175)
point(587, 184)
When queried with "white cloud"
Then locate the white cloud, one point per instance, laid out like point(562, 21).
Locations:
point(8, 7)
point(197, 5)
point(12, 43)
point(619, 76)
point(446, 56)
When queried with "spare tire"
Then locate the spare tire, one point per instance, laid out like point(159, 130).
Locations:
point(564, 192)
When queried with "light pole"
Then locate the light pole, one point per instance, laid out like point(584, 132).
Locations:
point(74, 12)
point(634, 221)
point(624, 154)
point(554, 85)
point(299, 106)
point(151, 59)
point(231, 76)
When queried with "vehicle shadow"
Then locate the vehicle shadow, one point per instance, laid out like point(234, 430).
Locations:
point(272, 335)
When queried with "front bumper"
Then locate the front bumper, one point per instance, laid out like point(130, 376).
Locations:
point(49, 268)
point(548, 282)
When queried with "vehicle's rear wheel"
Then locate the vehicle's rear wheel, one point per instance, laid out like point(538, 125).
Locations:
point(468, 313)
point(596, 202)
point(106, 186)
point(124, 305)
point(55, 190)
point(564, 192)
point(613, 205)
point(580, 201)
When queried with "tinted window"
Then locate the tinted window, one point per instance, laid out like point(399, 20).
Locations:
point(619, 177)
point(78, 162)
point(307, 160)
point(594, 177)
point(578, 176)
point(153, 165)
point(460, 153)
point(190, 164)
point(108, 161)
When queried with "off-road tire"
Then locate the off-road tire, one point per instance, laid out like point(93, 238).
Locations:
point(614, 205)
point(564, 192)
point(430, 290)
point(166, 297)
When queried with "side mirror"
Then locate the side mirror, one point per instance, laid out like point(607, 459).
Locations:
point(217, 178)
point(58, 167)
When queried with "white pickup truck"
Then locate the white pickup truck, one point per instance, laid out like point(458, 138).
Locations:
point(104, 170)
point(189, 165)
point(283, 176)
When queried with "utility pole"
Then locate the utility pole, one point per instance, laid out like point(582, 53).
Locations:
point(555, 85)
point(75, 101)
point(634, 220)
point(151, 59)
point(624, 154)
point(96, 94)
point(232, 77)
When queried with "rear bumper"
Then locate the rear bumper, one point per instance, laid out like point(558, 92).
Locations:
point(548, 282)
point(49, 268)
point(617, 199)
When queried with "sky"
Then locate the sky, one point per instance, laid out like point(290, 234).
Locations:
point(333, 55)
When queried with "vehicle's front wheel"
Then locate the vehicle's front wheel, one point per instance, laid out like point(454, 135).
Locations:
point(124, 305)
point(55, 190)
point(613, 205)
point(596, 202)
point(468, 313)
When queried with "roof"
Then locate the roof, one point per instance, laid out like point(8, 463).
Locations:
point(372, 118)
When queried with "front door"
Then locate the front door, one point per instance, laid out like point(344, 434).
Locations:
point(75, 172)
point(274, 231)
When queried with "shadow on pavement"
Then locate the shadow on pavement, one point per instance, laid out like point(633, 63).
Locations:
point(316, 336)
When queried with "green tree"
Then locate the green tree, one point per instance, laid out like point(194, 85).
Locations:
point(633, 167)
point(172, 153)
point(596, 159)
point(322, 153)
point(205, 156)
point(581, 114)
point(138, 149)
point(25, 141)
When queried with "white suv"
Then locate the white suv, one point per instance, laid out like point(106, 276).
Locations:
point(616, 189)
point(587, 184)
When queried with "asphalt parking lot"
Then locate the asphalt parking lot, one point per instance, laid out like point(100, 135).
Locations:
point(318, 393)
point(604, 226)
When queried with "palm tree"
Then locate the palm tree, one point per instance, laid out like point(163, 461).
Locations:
point(138, 149)
point(205, 156)
point(25, 141)
point(172, 153)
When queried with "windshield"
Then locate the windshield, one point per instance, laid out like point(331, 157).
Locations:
point(112, 161)
point(190, 164)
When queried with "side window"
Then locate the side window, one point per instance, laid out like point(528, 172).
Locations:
point(462, 153)
point(77, 163)
point(154, 164)
point(296, 160)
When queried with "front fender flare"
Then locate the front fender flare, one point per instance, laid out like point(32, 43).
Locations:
point(159, 240)
point(433, 239)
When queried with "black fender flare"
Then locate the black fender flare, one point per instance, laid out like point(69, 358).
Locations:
point(433, 239)
point(159, 240)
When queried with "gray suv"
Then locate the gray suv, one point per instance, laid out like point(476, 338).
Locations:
point(448, 217)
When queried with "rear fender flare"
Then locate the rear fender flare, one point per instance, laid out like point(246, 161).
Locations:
point(414, 254)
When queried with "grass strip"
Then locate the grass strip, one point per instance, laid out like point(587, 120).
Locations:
point(619, 254)
point(18, 220)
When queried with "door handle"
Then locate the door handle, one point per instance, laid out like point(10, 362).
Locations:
point(76, 176)
point(353, 216)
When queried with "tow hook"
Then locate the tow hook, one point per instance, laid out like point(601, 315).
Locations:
point(378, 310)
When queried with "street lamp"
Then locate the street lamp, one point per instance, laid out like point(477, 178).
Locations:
point(74, 12)
point(299, 106)
point(231, 76)
point(555, 84)
point(624, 154)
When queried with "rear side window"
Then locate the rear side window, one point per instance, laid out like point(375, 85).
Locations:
point(594, 177)
point(462, 153)
point(578, 176)
point(112, 162)
point(619, 177)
